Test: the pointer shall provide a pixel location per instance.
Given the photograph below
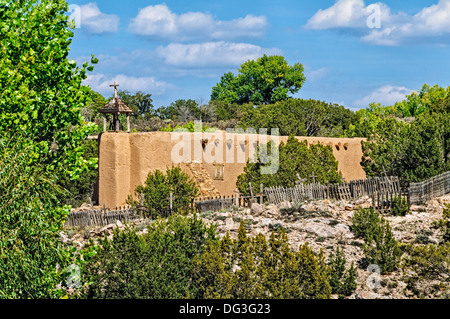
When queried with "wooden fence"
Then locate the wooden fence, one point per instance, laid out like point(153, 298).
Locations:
point(436, 186)
point(382, 191)
point(227, 202)
point(101, 217)
point(343, 191)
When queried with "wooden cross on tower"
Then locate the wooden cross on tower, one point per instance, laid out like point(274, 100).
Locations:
point(115, 85)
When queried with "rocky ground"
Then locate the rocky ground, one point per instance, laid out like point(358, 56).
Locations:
point(325, 225)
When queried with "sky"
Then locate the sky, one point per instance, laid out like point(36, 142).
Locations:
point(354, 52)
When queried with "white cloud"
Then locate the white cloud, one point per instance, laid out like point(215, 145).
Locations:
point(90, 18)
point(157, 21)
point(386, 95)
point(430, 24)
point(316, 75)
point(210, 54)
point(344, 13)
point(101, 83)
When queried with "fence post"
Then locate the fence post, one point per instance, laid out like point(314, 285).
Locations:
point(261, 189)
point(237, 197)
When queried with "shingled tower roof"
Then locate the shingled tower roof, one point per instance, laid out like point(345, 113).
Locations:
point(116, 105)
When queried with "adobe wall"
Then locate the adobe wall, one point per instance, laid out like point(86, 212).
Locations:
point(125, 159)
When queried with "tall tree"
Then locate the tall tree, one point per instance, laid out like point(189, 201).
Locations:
point(420, 102)
point(267, 80)
point(40, 88)
point(140, 103)
point(300, 117)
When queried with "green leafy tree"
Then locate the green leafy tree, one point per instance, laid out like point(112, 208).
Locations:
point(224, 111)
point(422, 101)
point(385, 149)
point(33, 259)
point(181, 110)
point(367, 120)
point(80, 190)
point(265, 81)
point(294, 157)
point(95, 102)
point(300, 117)
point(140, 103)
point(427, 147)
point(41, 91)
point(157, 189)
point(414, 152)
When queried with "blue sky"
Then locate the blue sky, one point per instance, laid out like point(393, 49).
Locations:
point(354, 51)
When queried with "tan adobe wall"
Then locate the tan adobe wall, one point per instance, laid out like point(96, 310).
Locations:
point(125, 159)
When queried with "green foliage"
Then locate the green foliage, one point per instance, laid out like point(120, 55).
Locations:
point(265, 81)
point(293, 157)
point(224, 111)
point(154, 265)
point(364, 221)
point(253, 268)
point(400, 206)
point(422, 101)
point(343, 280)
point(140, 103)
point(380, 246)
point(384, 149)
point(80, 191)
point(300, 117)
point(414, 152)
point(180, 110)
point(367, 120)
point(188, 127)
point(427, 147)
point(41, 91)
point(157, 189)
point(444, 224)
point(30, 222)
point(427, 262)
point(95, 102)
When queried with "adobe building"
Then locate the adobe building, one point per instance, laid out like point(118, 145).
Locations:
point(213, 160)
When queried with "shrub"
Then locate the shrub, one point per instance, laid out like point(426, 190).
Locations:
point(157, 189)
point(155, 265)
point(252, 268)
point(380, 246)
point(364, 220)
point(444, 224)
point(427, 262)
point(400, 206)
point(342, 281)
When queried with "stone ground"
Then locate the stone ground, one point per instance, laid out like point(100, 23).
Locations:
point(324, 225)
